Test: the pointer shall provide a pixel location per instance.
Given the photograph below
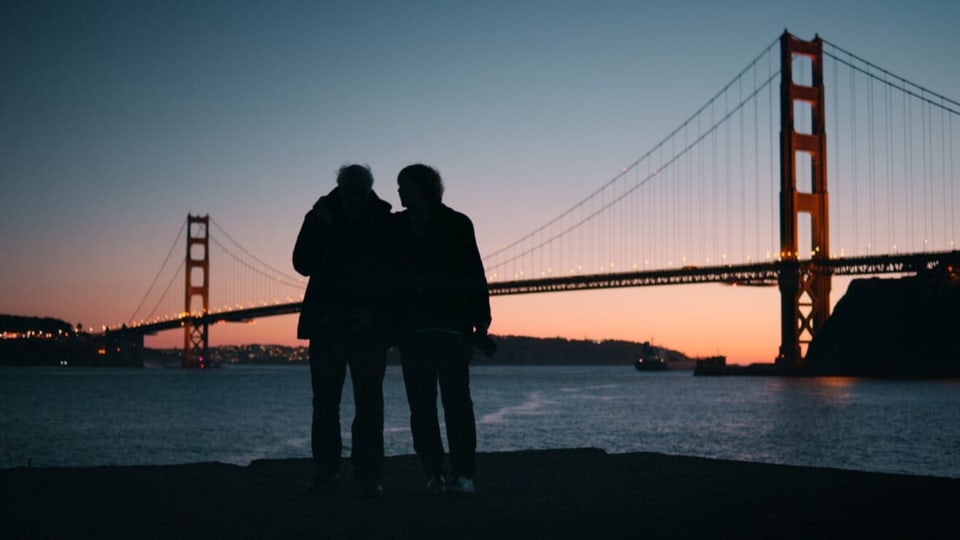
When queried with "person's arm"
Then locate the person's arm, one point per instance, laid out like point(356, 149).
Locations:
point(478, 292)
point(308, 249)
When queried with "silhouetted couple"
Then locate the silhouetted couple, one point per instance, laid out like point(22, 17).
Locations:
point(414, 279)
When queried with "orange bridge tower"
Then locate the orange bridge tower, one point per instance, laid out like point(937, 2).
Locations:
point(197, 271)
point(804, 286)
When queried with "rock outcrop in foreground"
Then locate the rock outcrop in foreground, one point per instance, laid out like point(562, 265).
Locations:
point(907, 327)
point(533, 494)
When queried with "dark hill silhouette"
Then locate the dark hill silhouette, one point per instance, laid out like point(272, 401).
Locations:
point(892, 328)
point(520, 350)
point(21, 325)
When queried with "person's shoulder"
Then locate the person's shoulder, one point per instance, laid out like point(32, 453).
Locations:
point(380, 206)
point(453, 215)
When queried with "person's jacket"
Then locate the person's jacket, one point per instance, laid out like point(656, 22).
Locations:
point(445, 284)
point(347, 296)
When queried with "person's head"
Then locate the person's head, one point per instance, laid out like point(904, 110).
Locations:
point(355, 183)
point(420, 186)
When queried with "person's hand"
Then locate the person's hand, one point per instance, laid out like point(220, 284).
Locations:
point(480, 328)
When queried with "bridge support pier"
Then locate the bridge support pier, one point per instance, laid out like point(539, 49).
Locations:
point(804, 288)
point(197, 270)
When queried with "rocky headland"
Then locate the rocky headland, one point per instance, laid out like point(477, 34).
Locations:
point(908, 327)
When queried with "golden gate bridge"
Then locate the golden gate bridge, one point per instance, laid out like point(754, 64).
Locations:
point(736, 194)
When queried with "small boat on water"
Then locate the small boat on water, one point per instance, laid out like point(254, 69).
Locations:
point(650, 359)
point(646, 364)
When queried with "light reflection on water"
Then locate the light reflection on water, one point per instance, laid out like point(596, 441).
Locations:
point(67, 417)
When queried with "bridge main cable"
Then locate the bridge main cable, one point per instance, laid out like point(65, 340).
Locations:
point(642, 158)
point(146, 295)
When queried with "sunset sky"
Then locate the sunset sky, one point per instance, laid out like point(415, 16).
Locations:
point(118, 118)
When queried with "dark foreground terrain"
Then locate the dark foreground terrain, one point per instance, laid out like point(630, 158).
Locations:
point(532, 494)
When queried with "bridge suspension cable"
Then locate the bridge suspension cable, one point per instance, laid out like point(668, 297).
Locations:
point(275, 272)
point(170, 312)
point(892, 166)
point(617, 198)
point(177, 241)
point(707, 193)
point(628, 231)
point(281, 279)
point(245, 280)
point(914, 89)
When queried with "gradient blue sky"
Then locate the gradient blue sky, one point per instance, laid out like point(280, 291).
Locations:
point(117, 118)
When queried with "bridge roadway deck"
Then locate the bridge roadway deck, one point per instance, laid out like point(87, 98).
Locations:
point(757, 274)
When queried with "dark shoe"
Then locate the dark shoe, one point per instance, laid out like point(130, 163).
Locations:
point(436, 484)
point(323, 486)
point(372, 490)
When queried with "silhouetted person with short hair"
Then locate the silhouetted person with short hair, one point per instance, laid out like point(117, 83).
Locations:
point(342, 247)
point(446, 308)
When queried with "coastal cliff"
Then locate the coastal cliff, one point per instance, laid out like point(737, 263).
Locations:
point(904, 327)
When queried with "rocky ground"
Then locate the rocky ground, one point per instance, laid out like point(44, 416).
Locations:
point(580, 493)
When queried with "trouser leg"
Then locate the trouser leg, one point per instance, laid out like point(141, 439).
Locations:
point(420, 381)
point(367, 367)
point(327, 373)
point(454, 377)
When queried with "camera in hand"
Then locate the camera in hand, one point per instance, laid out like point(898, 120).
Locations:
point(485, 344)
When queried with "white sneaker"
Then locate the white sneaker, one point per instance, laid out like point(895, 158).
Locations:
point(461, 485)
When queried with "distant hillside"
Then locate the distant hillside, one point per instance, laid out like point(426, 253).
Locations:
point(511, 350)
point(520, 350)
point(20, 325)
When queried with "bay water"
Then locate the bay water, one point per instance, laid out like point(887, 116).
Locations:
point(52, 417)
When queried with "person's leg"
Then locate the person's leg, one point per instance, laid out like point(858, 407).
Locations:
point(327, 372)
point(367, 367)
point(454, 377)
point(420, 381)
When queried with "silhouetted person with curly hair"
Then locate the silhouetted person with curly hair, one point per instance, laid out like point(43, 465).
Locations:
point(342, 247)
